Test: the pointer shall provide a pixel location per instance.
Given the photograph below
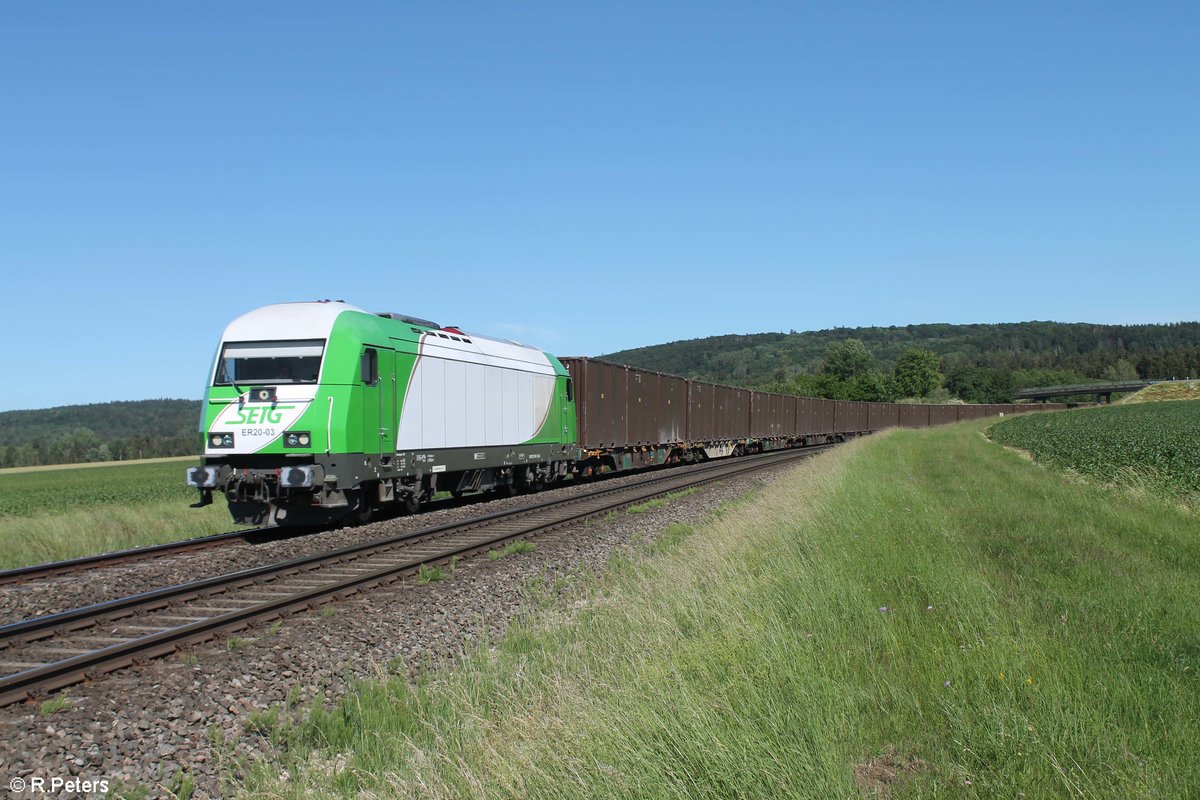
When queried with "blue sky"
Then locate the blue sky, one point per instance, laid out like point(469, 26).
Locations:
point(583, 177)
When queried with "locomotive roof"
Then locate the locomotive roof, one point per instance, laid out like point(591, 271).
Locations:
point(280, 321)
point(315, 320)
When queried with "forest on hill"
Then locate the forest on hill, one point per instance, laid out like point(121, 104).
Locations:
point(971, 363)
point(976, 363)
point(99, 432)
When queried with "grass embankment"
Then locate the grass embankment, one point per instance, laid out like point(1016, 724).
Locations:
point(1150, 446)
point(1175, 390)
point(52, 514)
point(920, 612)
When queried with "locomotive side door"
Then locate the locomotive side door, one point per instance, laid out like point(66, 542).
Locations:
point(377, 372)
point(567, 409)
point(387, 403)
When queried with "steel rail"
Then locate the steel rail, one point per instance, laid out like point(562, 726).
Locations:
point(56, 674)
point(66, 566)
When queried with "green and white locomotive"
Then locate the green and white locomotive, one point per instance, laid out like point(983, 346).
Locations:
point(321, 410)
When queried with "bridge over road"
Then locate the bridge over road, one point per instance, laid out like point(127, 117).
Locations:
point(1103, 392)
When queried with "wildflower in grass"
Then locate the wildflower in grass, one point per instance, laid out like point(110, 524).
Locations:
point(1029, 681)
point(883, 609)
point(1002, 675)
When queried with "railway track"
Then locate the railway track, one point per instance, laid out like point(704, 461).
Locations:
point(36, 572)
point(51, 569)
point(47, 653)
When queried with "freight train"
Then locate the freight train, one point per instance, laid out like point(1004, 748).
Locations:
point(320, 411)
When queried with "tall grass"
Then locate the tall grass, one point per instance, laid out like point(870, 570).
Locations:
point(48, 514)
point(920, 613)
point(101, 529)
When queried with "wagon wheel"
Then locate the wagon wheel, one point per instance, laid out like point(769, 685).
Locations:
point(411, 504)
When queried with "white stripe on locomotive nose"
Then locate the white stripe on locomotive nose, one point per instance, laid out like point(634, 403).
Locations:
point(270, 420)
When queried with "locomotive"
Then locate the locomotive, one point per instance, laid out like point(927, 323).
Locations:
point(320, 411)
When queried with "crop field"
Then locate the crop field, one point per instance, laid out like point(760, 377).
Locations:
point(1151, 445)
point(51, 514)
point(24, 494)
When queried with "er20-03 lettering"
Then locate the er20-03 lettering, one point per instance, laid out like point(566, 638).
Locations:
point(258, 431)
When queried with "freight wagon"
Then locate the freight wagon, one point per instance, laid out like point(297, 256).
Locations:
point(320, 411)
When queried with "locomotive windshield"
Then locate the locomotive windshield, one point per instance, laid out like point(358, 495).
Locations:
point(296, 361)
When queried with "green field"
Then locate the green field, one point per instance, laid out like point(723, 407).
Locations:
point(918, 614)
point(50, 514)
point(1151, 445)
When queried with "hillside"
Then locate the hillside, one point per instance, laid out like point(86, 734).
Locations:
point(98, 432)
point(1082, 351)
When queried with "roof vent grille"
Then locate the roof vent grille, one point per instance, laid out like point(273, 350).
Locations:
point(410, 320)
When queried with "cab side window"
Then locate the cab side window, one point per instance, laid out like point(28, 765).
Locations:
point(370, 366)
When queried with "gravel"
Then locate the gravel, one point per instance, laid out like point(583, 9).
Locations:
point(148, 725)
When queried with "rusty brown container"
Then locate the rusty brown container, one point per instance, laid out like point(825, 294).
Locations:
point(822, 415)
point(805, 421)
point(771, 415)
point(851, 417)
point(942, 414)
point(783, 415)
point(601, 401)
point(733, 413)
point(702, 411)
point(656, 408)
point(913, 415)
point(973, 411)
point(841, 416)
point(862, 417)
point(882, 415)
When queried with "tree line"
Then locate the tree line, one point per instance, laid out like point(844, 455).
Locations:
point(976, 363)
point(117, 431)
point(82, 446)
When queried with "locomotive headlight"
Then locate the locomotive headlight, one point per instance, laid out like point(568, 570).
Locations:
point(220, 440)
point(202, 477)
point(296, 477)
point(297, 439)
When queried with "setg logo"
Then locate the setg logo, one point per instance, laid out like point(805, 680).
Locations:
point(257, 415)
